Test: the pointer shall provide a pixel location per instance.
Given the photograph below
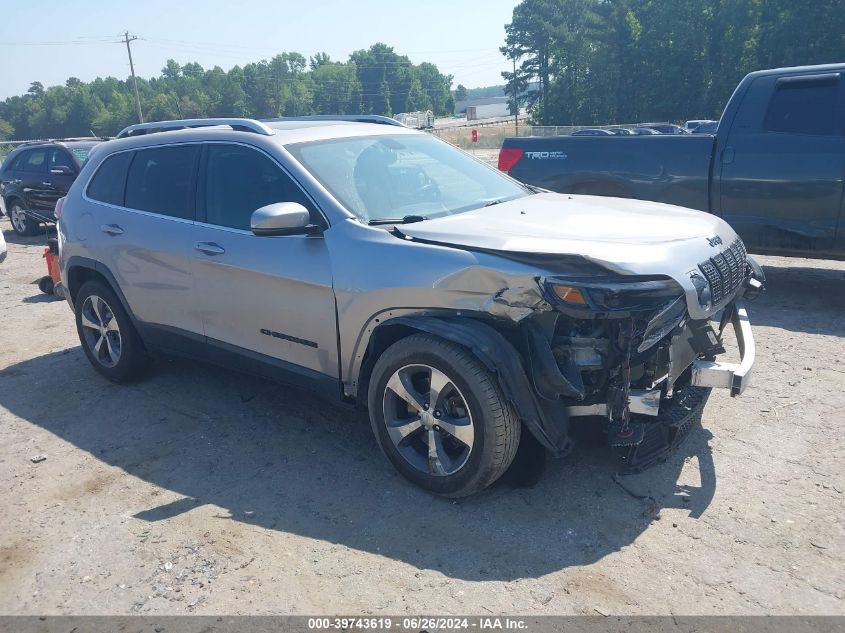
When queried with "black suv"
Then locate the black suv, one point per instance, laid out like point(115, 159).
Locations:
point(34, 176)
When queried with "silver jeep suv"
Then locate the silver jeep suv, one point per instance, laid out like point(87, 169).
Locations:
point(473, 316)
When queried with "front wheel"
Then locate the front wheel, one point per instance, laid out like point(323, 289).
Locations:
point(440, 417)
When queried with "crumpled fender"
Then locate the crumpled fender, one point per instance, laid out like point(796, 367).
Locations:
point(548, 421)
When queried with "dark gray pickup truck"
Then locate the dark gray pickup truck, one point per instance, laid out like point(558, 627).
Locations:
point(774, 169)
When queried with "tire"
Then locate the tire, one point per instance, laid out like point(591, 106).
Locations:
point(22, 224)
point(46, 285)
point(469, 394)
point(100, 317)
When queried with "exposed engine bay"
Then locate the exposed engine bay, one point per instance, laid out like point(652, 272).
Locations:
point(628, 352)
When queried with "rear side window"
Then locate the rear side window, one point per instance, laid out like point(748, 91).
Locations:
point(803, 107)
point(240, 180)
point(14, 164)
point(109, 183)
point(161, 180)
point(33, 161)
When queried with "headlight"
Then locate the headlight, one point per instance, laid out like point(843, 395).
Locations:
point(616, 294)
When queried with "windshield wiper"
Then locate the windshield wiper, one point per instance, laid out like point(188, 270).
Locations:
point(408, 219)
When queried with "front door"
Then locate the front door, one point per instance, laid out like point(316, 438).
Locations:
point(61, 172)
point(783, 164)
point(268, 298)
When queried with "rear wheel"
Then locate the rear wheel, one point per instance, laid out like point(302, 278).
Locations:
point(22, 224)
point(440, 417)
point(107, 335)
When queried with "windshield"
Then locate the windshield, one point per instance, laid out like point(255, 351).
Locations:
point(383, 178)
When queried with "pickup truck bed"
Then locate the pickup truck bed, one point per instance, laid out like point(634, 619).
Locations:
point(669, 168)
point(774, 170)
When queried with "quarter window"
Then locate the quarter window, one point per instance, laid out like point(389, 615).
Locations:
point(16, 163)
point(240, 180)
point(803, 107)
point(109, 183)
point(160, 180)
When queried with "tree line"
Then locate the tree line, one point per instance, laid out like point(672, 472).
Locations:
point(626, 61)
point(373, 81)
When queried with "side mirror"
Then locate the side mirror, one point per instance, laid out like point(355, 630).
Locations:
point(61, 170)
point(283, 218)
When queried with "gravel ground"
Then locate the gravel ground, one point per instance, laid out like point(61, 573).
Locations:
point(204, 491)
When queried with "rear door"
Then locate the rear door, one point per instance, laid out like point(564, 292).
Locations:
point(266, 298)
point(141, 229)
point(783, 164)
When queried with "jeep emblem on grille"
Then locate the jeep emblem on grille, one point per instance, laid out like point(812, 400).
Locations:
point(714, 241)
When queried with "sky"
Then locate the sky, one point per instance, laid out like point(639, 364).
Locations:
point(50, 40)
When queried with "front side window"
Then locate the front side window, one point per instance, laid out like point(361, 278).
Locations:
point(384, 178)
point(58, 158)
point(161, 180)
point(34, 161)
point(240, 180)
point(109, 183)
point(803, 107)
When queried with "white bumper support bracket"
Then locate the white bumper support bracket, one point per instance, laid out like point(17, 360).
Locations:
point(733, 376)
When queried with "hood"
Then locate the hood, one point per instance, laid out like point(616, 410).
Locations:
point(629, 237)
point(632, 236)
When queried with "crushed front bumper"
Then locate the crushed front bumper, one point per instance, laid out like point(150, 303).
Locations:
point(733, 376)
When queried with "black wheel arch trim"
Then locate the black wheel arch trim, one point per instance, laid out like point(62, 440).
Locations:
point(78, 261)
point(547, 420)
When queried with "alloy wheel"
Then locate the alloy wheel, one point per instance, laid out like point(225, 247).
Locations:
point(428, 420)
point(101, 331)
point(18, 217)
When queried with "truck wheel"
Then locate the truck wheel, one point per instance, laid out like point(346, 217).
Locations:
point(440, 417)
point(22, 224)
point(107, 334)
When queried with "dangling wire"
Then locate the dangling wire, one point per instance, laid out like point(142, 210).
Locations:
point(626, 383)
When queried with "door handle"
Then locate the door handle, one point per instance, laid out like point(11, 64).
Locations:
point(209, 248)
point(727, 155)
point(111, 229)
point(17, 181)
point(46, 183)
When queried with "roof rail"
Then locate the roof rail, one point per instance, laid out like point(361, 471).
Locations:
point(36, 141)
point(353, 118)
point(243, 125)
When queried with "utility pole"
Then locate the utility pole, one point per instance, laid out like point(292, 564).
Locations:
point(128, 39)
point(515, 101)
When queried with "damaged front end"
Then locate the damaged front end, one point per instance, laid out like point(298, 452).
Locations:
point(626, 350)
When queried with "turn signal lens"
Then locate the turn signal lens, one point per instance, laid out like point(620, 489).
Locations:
point(569, 294)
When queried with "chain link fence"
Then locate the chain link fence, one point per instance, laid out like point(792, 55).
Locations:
point(491, 135)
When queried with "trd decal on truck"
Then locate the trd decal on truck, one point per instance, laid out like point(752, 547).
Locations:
point(547, 155)
point(714, 241)
point(287, 337)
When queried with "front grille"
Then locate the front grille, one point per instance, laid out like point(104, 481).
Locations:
point(725, 271)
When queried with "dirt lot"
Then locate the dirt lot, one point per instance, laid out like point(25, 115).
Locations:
point(204, 491)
